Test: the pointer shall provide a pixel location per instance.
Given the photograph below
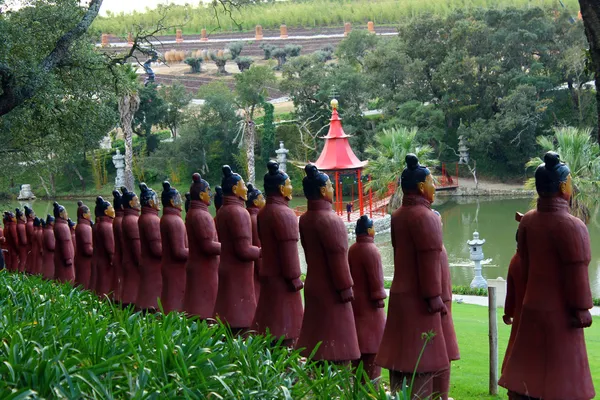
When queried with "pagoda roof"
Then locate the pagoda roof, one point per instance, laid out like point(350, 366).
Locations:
point(337, 153)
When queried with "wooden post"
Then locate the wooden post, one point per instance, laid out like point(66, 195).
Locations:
point(283, 33)
point(178, 36)
point(258, 33)
point(493, 322)
point(105, 42)
point(347, 28)
point(371, 26)
point(203, 37)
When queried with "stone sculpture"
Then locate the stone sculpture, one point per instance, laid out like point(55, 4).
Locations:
point(218, 197)
point(202, 266)
point(132, 247)
point(25, 193)
point(117, 227)
point(30, 217)
point(12, 241)
point(369, 294)
point(416, 306)
point(22, 239)
point(104, 248)
point(150, 273)
point(64, 254)
point(119, 162)
point(328, 315)
point(188, 201)
point(174, 250)
point(255, 202)
point(548, 358)
point(37, 247)
point(49, 248)
point(279, 308)
point(235, 303)
point(84, 246)
point(72, 228)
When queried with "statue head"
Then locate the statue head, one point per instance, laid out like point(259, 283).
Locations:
point(218, 197)
point(277, 182)
point(148, 197)
point(233, 184)
point(83, 211)
point(553, 178)
point(19, 214)
point(255, 197)
point(103, 208)
point(60, 212)
point(129, 200)
point(364, 227)
point(117, 200)
point(37, 223)
point(316, 184)
point(200, 189)
point(416, 179)
point(9, 217)
point(71, 224)
point(49, 221)
point(170, 197)
point(43, 222)
point(29, 213)
point(188, 201)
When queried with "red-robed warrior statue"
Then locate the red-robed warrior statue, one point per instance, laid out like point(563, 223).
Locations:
point(369, 294)
point(12, 241)
point(64, 254)
point(49, 243)
point(416, 304)
point(30, 217)
point(104, 248)
point(255, 202)
point(279, 308)
point(117, 226)
point(328, 315)
point(22, 239)
point(37, 247)
point(84, 246)
point(548, 359)
point(235, 303)
point(202, 266)
point(132, 248)
point(150, 273)
point(174, 250)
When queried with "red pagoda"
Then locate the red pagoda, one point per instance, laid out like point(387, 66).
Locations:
point(337, 157)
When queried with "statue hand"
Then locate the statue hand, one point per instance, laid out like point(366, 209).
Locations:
point(507, 320)
point(296, 285)
point(347, 295)
point(69, 262)
point(582, 319)
point(436, 305)
point(379, 304)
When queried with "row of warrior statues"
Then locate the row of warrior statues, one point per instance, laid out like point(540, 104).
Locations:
point(243, 268)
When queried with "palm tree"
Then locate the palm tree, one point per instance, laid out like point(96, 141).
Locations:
point(129, 102)
point(577, 149)
point(386, 159)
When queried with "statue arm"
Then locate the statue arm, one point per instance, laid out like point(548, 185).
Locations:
point(177, 243)
point(154, 241)
point(428, 241)
point(66, 245)
point(240, 227)
point(205, 230)
point(87, 246)
point(374, 271)
point(210, 247)
point(132, 232)
point(575, 253)
point(51, 242)
point(509, 302)
point(108, 241)
point(335, 247)
point(22, 233)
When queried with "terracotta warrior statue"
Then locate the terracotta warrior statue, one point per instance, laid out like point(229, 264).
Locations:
point(132, 247)
point(22, 239)
point(2, 246)
point(104, 248)
point(441, 381)
point(202, 266)
point(416, 305)
point(279, 308)
point(515, 292)
point(150, 273)
point(30, 216)
point(188, 202)
point(255, 202)
point(548, 359)
point(218, 197)
point(64, 254)
point(49, 248)
point(175, 250)
point(37, 247)
point(235, 303)
point(369, 294)
point(328, 294)
point(72, 227)
point(117, 226)
point(84, 247)
point(12, 241)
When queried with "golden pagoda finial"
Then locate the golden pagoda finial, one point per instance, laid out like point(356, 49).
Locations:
point(334, 104)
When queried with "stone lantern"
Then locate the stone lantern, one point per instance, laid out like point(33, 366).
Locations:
point(119, 162)
point(282, 157)
point(476, 250)
point(463, 150)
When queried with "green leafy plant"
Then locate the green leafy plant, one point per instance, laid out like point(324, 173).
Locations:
point(244, 63)
point(195, 64)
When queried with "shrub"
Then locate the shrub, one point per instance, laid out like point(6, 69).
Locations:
point(292, 50)
point(235, 48)
point(322, 56)
point(195, 64)
point(244, 63)
point(267, 49)
point(220, 61)
point(281, 56)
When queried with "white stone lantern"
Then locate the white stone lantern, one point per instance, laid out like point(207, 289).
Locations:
point(476, 250)
point(282, 153)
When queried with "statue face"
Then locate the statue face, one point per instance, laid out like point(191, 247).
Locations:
point(240, 190)
point(371, 231)
point(177, 202)
point(327, 191)
point(63, 214)
point(22, 218)
point(154, 202)
point(566, 188)
point(135, 203)
point(286, 190)
point(32, 215)
point(260, 201)
point(205, 196)
point(427, 189)
point(110, 212)
point(87, 216)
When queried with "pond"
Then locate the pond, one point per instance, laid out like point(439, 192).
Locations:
point(493, 218)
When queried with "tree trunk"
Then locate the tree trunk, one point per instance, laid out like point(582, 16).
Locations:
point(590, 12)
point(249, 134)
point(128, 105)
point(44, 186)
point(81, 180)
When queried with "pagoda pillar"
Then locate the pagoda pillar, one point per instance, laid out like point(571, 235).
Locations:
point(360, 193)
point(337, 192)
point(370, 199)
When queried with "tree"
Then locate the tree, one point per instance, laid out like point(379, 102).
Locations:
point(129, 102)
point(386, 160)
point(151, 111)
point(577, 148)
point(251, 91)
point(590, 12)
point(356, 46)
point(176, 98)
